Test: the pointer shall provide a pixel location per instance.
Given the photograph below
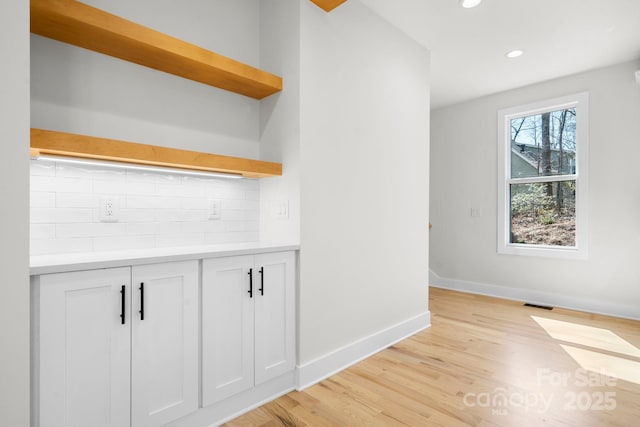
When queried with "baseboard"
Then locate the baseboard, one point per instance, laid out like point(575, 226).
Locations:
point(537, 297)
point(221, 412)
point(323, 367)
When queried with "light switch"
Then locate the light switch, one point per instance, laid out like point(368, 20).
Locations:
point(476, 212)
point(281, 210)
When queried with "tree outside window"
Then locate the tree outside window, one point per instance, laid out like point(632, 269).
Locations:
point(542, 181)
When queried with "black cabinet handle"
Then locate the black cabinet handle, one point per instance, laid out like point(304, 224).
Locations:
point(261, 280)
point(250, 282)
point(122, 304)
point(142, 301)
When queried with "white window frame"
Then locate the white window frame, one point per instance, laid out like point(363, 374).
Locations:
point(580, 102)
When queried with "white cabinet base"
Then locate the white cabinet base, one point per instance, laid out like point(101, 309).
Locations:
point(83, 349)
point(97, 362)
point(238, 404)
point(248, 322)
point(164, 346)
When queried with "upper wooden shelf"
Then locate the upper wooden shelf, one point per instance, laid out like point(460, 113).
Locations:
point(85, 26)
point(328, 5)
point(46, 142)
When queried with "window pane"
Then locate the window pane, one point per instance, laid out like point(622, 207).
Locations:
point(544, 144)
point(544, 213)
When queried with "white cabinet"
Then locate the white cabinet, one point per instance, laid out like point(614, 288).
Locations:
point(164, 342)
point(84, 349)
point(248, 316)
point(117, 347)
point(274, 316)
point(183, 343)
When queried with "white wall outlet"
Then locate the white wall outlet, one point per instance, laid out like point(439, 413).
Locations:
point(281, 209)
point(109, 209)
point(215, 209)
point(476, 212)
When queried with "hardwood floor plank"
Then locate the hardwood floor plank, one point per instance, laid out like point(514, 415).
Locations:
point(484, 362)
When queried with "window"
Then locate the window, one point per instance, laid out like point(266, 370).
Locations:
point(542, 178)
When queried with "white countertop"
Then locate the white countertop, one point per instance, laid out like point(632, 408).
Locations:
point(44, 264)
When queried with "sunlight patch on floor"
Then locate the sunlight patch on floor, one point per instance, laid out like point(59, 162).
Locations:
point(624, 369)
point(587, 336)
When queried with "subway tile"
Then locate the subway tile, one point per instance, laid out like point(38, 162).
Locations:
point(60, 246)
point(60, 215)
point(195, 203)
point(149, 202)
point(231, 237)
point(110, 187)
point(38, 199)
point(89, 172)
point(60, 185)
point(227, 193)
point(97, 229)
point(137, 215)
point(240, 204)
point(38, 168)
point(181, 215)
point(42, 231)
point(193, 239)
point(142, 228)
point(234, 215)
point(196, 215)
point(155, 210)
point(123, 188)
point(139, 188)
point(172, 190)
point(123, 243)
point(237, 226)
point(76, 200)
point(252, 194)
point(202, 226)
point(168, 228)
point(170, 215)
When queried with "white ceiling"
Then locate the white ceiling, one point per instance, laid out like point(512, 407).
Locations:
point(559, 37)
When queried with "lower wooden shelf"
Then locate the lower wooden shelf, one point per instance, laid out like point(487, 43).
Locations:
point(47, 142)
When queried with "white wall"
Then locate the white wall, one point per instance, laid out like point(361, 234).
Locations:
point(80, 91)
point(364, 120)
point(463, 175)
point(280, 119)
point(14, 228)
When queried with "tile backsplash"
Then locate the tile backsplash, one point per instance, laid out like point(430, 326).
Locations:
point(152, 209)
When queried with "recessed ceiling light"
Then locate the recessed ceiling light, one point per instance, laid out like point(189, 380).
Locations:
point(514, 53)
point(468, 4)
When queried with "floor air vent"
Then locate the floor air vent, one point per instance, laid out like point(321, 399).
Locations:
point(544, 307)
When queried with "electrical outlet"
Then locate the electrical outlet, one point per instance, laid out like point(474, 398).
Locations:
point(109, 209)
point(215, 209)
point(476, 212)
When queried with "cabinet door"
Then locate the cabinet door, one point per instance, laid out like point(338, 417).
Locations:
point(84, 349)
point(227, 327)
point(164, 374)
point(275, 315)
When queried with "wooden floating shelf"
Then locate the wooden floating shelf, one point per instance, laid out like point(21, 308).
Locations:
point(328, 5)
point(85, 26)
point(46, 142)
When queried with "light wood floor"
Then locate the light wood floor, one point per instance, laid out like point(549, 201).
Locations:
point(484, 362)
